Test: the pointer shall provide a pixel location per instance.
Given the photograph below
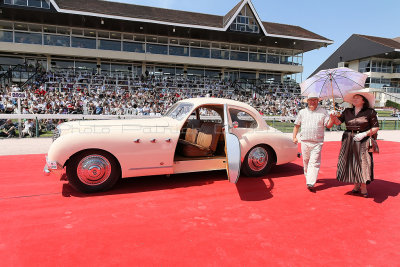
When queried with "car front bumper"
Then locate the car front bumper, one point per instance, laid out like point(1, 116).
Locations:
point(52, 167)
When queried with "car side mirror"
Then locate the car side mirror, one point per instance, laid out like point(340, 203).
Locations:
point(235, 124)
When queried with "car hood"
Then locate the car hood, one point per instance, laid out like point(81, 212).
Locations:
point(117, 126)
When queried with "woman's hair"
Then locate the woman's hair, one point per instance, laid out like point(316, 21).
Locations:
point(366, 102)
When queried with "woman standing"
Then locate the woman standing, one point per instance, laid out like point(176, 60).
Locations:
point(355, 163)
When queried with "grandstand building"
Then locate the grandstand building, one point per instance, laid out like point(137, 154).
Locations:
point(377, 57)
point(108, 38)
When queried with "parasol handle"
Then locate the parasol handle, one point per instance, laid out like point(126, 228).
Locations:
point(333, 96)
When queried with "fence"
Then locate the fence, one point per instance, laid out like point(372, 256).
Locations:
point(284, 124)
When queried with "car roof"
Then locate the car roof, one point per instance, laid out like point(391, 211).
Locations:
point(213, 100)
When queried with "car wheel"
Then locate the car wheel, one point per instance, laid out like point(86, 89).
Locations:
point(258, 161)
point(93, 171)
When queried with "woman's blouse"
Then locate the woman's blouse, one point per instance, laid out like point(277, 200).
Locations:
point(363, 121)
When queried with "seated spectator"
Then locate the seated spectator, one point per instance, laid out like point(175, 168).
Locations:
point(7, 129)
point(28, 128)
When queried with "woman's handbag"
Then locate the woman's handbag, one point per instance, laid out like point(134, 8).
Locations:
point(372, 144)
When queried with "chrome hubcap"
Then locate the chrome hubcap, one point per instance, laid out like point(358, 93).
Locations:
point(257, 159)
point(94, 170)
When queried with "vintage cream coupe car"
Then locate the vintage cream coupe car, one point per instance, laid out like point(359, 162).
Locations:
point(198, 134)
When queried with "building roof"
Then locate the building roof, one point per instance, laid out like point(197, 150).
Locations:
point(175, 17)
point(290, 30)
point(392, 43)
point(231, 13)
point(360, 46)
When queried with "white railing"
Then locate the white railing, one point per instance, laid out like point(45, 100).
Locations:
point(109, 117)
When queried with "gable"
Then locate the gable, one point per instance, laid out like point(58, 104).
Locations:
point(245, 19)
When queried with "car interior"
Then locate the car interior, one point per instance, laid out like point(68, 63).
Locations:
point(202, 135)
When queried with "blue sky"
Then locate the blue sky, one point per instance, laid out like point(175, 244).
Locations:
point(335, 20)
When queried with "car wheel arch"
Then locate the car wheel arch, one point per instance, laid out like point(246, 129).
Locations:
point(92, 149)
point(275, 158)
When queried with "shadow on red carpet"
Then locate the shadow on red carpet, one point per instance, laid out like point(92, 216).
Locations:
point(201, 218)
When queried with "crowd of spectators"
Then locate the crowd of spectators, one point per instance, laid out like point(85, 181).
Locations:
point(92, 94)
point(70, 94)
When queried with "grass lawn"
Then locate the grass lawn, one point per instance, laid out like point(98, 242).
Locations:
point(384, 113)
point(287, 127)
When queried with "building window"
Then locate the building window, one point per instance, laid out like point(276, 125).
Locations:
point(254, 57)
point(90, 66)
point(241, 56)
point(396, 68)
point(220, 54)
point(28, 38)
point(56, 40)
point(364, 66)
point(195, 73)
point(199, 52)
point(61, 64)
point(83, 42)
point(133, 47)
point(245, 21)
point(157, 49)
point(178, 51)
point(109, 45)
point(29, 3)
point(247, 75)
point(6, 36)
point(120, 67)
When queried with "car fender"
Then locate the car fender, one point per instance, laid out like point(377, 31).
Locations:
point(284, 148)
point(150, 150)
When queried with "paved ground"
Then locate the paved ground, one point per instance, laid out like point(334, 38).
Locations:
point(41, 145)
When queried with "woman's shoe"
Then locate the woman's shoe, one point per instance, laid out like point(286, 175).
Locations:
point(364, 194)
point(355, 191)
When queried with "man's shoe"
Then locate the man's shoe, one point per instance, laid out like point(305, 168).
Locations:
point(311, 188)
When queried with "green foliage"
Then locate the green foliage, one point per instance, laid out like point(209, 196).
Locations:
point(391, 104)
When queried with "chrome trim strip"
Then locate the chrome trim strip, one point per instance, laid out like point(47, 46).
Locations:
point(135, 169)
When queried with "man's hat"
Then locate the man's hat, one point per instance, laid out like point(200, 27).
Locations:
point(312, 96)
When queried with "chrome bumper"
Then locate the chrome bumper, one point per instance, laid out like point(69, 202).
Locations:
point(52, 167)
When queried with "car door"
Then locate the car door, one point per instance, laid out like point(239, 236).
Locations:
point(232, 150)
point(242, 120)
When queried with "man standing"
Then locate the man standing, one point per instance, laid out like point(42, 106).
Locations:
point(313, 121)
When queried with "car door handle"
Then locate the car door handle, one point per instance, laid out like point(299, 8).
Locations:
point(136, 140)
point(168, 140)
point(153, 140)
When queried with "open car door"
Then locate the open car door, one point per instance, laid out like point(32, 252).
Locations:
point(232, 150)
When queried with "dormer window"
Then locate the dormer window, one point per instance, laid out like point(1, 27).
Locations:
point(245, 21)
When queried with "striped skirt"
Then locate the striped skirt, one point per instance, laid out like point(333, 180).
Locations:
point(355, 163)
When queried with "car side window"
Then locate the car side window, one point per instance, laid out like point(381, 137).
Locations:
point(242, 119)
point(209, 114)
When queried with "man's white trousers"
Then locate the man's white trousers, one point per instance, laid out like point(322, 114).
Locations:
point(311, 153)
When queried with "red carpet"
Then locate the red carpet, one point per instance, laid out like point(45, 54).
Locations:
point(200, 219)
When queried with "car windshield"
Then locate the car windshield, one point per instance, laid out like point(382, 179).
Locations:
point(179, 110)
